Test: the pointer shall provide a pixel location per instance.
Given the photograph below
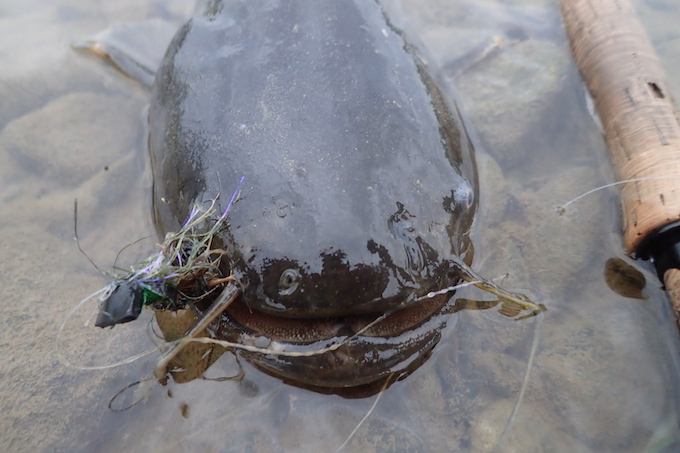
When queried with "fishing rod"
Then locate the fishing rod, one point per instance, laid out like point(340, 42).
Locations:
point(641, 126)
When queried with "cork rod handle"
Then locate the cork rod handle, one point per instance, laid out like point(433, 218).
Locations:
point(632, 98)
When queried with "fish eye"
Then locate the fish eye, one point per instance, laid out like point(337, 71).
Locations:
point(288, 282)
point(465, 195)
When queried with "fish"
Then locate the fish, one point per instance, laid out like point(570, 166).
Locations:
point(359, 187)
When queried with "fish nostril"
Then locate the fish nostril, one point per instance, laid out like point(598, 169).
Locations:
point(288, 282)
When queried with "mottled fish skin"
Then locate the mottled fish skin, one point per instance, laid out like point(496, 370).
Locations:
point(359, 180)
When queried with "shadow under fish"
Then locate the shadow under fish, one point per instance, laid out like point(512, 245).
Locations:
point(358, 193)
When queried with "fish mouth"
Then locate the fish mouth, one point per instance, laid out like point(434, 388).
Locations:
point(345, 351)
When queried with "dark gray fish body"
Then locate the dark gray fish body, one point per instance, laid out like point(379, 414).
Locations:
point(359, 180)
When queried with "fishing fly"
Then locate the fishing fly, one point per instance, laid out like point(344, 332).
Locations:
point(186, 269)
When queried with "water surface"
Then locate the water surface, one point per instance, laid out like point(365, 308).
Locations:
point(604, 367)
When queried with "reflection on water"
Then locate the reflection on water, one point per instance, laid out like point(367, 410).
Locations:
point(604, 365)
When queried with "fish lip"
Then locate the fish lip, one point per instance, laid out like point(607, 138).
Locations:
point(345, 359)
point(358, 362)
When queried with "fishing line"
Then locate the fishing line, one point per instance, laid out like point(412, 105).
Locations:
point(75, 232)
point(370, 411)
point(523, 388)
point(128, 387)
point(561, 209)
point(66, 362)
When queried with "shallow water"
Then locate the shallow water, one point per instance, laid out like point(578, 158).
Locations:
point(603, 367)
